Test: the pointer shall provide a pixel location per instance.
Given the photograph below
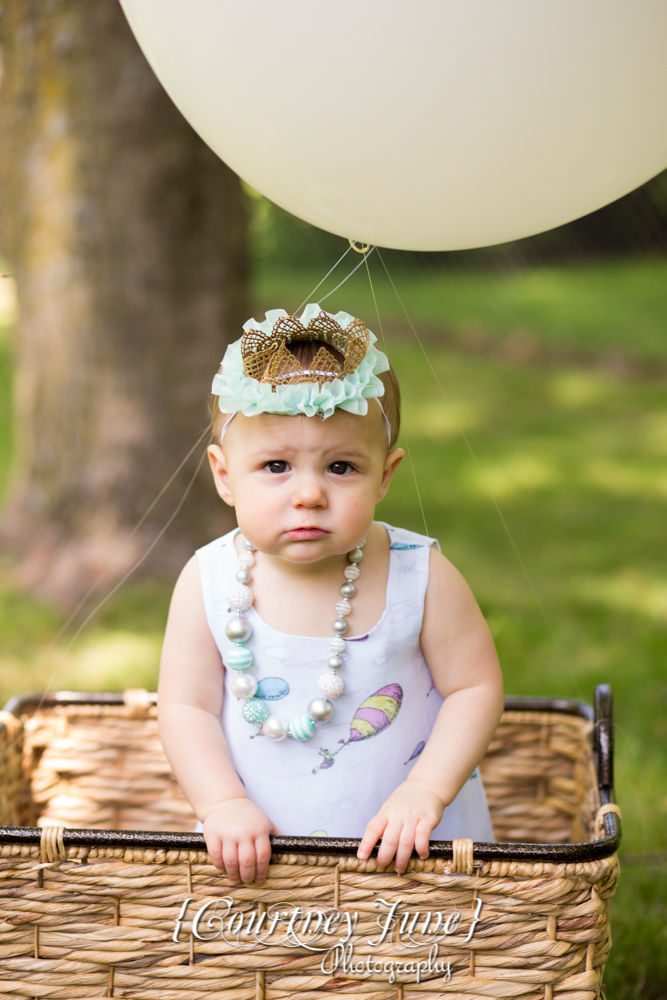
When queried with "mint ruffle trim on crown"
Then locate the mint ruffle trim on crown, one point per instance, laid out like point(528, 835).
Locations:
point(239, 393)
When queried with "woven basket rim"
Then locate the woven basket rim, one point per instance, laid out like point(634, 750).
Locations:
point(601, 716)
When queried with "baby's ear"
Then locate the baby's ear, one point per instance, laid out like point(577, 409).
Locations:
point(218, 465)
point(394, 459)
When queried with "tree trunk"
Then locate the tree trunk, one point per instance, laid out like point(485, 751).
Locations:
point(126, 235)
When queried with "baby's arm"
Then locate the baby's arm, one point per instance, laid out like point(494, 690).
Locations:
point(462, 659)
point(189, 706)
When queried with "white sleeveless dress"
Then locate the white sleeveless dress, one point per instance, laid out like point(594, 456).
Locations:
point(336, 782)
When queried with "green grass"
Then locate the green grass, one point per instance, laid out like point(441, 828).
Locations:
point(591, 308)
point(575, 457)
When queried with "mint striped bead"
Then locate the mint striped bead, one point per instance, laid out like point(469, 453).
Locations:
point(301, 727)
point(255, 711)
point(238, 658)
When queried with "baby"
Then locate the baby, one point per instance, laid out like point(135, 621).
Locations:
point(274, 719)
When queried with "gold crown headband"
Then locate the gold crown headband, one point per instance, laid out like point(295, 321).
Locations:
point(267, 358)
point(261, 375)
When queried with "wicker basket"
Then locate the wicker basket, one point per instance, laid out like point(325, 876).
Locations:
point(111, 910)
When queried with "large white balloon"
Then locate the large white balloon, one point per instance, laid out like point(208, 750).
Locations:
point(421, 124)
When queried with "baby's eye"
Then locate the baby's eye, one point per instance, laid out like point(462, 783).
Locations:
point(276, 467)
point(339, 468)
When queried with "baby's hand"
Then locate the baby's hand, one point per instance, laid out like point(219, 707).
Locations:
point(237, 839)
point(406, 820)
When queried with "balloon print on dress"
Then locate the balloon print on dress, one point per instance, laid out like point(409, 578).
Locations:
point(417, 750)
point(272, 689)
point(373, 716)
point(376, 713)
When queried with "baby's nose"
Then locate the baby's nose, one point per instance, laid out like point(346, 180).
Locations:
point(310, 492)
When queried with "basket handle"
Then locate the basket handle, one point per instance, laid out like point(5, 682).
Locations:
point(604, 738)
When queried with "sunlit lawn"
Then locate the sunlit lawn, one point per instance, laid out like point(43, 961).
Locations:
point(591, 308)
point(576, 458)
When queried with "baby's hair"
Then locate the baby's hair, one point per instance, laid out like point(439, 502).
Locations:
point(304, 351)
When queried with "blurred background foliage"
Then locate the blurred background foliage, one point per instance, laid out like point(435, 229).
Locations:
point(551, 364)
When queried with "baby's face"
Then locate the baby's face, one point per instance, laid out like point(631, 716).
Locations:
point(305, 488)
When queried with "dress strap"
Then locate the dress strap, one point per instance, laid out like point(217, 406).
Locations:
point(409, 555)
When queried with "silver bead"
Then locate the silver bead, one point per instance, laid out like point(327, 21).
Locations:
point(243, 686)
point(347, 589)
point(320, 710)
point(355, 556)
point(340, 626)
point(248, 546)
point(243, 575)
point(334, 663)
point(238, 629)
point(275, 728)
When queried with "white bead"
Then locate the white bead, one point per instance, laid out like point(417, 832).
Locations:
point(343, 607)
point(240, 598)
point(243, 686)
point(351, 572)
point(338, 644)
point(246, 560)
point(330, 685)
point(275, 728)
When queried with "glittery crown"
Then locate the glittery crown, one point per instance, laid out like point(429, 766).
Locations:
point(261, 375)
point(267, 358)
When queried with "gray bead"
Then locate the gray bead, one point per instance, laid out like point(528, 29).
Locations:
point(340, 626)
point(248, 546)
point(355, 556)
point(334, 662)
point(238, 629)
point(348, 589)
point(243, 575)
point(320, 710)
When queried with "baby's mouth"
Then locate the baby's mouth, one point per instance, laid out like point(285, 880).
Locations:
point(305, 534)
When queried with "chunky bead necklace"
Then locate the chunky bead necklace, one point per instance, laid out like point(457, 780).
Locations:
point(239, 658)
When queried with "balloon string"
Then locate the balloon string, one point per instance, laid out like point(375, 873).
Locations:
point(308, 297)
point(384, 347)
point(360, 264)
point(103, 572)
point(463, 434)
point(129, 573)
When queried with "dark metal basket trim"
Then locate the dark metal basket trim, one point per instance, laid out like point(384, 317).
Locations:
point(603, 747)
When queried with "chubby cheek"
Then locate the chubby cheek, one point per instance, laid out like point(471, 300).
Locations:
point(259, 512)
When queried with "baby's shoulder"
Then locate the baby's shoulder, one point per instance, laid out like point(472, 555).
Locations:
point(219, 547)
